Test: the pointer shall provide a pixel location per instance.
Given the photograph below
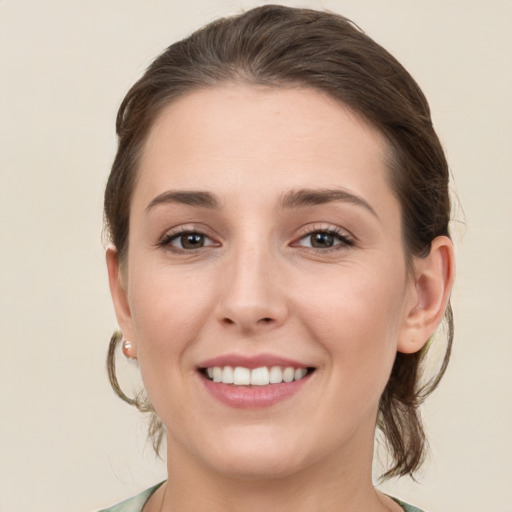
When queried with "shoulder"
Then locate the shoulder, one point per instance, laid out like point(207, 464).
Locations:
point(406, 507)
point(134, 504)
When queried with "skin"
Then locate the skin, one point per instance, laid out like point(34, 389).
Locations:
point(258, 286)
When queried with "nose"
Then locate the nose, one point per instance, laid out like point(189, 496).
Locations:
point(252, 297)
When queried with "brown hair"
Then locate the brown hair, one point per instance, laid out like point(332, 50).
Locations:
point(281, 46)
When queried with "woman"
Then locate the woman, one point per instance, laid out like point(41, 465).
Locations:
point(280, 257)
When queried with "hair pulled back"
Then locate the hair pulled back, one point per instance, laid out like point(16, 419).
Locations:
point(280, 46)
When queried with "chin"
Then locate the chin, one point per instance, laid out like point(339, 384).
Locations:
point(257, 457)
point(258, 468)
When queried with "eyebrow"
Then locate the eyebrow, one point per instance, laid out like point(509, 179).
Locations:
point(187, 197)
point(310, 197)
point(293, 199)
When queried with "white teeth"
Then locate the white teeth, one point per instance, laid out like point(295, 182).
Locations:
point(288, 374)
point(241, 376)
point(217, 374)
point(299, 373)
point(262, 376)
point(227, 375)
point(276, 375)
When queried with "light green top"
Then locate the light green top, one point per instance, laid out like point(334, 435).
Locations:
point(136, 504)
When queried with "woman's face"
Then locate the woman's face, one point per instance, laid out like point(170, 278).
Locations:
point(264, 236)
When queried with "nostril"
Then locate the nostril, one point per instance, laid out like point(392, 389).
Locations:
point(248, 321)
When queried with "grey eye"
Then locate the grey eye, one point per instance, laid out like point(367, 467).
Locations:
point(190, 240)
point(325, 239)
point(322, 240)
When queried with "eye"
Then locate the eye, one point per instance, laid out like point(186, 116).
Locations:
point(325, 239)
point(187, 240)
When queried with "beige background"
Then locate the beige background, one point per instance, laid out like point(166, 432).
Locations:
point(66, 443)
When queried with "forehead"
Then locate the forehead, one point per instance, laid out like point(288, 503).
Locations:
point(234, 135)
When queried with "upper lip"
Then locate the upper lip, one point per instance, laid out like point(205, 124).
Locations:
point(251, 362)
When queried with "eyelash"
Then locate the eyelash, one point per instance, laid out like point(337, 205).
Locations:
point(168, 238)
point(343, 239)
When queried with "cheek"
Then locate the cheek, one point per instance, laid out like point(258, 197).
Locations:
point(167, 312)
point(356, 316)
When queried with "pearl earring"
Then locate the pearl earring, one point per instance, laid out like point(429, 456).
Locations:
point(127, 349)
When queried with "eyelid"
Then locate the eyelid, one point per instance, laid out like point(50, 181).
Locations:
point(174, 234)
point(345, 236)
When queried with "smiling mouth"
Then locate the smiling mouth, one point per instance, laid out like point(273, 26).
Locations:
point(262, 376)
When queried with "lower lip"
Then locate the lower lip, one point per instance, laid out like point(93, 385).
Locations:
point(251, 397)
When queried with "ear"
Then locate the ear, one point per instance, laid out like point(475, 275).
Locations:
point(433, 281)
point(120, 298)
